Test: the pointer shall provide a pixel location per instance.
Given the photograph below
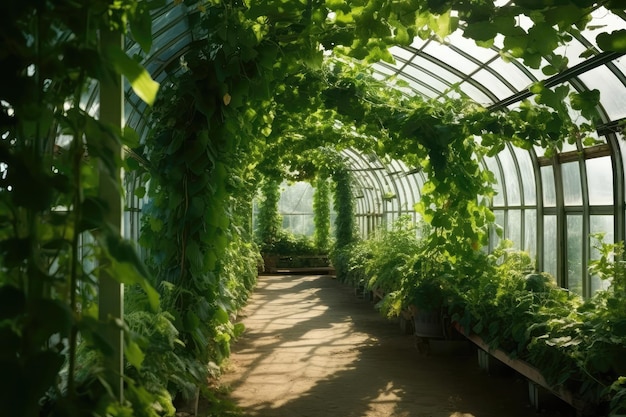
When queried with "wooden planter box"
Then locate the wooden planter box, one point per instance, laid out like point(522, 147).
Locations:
point(270, 263)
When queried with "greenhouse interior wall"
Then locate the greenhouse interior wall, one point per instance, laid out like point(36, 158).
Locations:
point(97, 119)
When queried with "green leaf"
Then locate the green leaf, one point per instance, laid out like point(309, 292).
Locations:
point(140, 81)
point(140, 191)
point(133, 354)
point(130, 137)
point(586, 102)
point(221, 316)
point(480, 31)
point(12, 302)
point(445, 25)
point(614, 41)
point(141, 26)
point(238, 329)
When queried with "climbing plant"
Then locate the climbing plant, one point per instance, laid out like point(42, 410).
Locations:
point(269, 221)
point(56, 161)
point(321, 212)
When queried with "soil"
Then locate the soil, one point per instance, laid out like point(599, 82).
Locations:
point(312, 348)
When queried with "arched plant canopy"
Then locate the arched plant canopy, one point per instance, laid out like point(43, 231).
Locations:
point(414, 93)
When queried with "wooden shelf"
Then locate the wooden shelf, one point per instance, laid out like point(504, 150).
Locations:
point(527, 370)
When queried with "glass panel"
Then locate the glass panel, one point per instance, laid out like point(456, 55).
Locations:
point(514, 75)
point(299, 224)
point(575, 253)
point(455, 60)
point(572, 51)
point(513, 230)
point(423, 77)
point(296, 198)
point(600, 224)
point(511, 178)
point(530, 232)
point(528, 175)
point(569, 146)
point(605, 19)
point(611, 89)
point(492, 165)
point(550, 245)
point(401, 52)
point(435, 69)
point(475, 94)
point(549, 193)
point(495, 85)
point(600, 181)
point(572, 191)
point(498, 223)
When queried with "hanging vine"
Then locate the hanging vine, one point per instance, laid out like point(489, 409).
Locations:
point(321, 212)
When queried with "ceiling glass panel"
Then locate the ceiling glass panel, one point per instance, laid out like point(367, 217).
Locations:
point(572, 190)
point(419, 88)
point(513, 74)
point(469, 48)
point(436, 69)
point(572, 51)
point(476, 94)
point(495, 85)
point(402, 53)
point(426, 79)
point(600, 180)
point(569, 147)
point(605, 21)
point(612, 91)
point(167, 16)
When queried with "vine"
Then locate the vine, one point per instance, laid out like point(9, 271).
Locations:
point(321, 209)
point(269, 224)
point(55, 241)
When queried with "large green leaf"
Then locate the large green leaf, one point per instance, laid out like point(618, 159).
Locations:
point(140, 81)
point(614, 41)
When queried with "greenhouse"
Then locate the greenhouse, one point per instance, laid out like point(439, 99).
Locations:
point(459, 165)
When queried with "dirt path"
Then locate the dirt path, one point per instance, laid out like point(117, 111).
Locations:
point(313, 349)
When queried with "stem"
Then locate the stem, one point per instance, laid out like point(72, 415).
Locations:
point(77, 156)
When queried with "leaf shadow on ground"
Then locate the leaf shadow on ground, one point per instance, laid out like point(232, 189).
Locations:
point(312, 348)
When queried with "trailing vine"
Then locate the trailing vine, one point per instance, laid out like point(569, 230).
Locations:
point(321, 212)
point(269, 221)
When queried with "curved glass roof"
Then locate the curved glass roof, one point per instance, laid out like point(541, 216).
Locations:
point(541, 200)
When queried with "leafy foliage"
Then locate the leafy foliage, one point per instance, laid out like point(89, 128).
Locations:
point(269, 222)
point(321, 211)
point(56, 242)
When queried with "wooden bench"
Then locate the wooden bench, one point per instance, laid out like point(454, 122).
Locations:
point(315, 264)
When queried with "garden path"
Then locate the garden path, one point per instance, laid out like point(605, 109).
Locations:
point(314, 349)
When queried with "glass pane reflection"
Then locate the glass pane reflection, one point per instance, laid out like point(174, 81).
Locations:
point(575, 253)
point(549, 244)
point(572, 191)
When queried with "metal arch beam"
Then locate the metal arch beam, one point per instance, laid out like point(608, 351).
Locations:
point(565, 76)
